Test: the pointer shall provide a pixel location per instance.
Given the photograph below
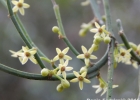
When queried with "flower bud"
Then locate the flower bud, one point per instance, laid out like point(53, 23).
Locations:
point(83, 69)
point(133, 46)
point(97, 40)
point(95, 47)
point(65, 83)
point(44, 72)
point(82, 32)
point(60, 88)
point(107, 39)
point(55, 29)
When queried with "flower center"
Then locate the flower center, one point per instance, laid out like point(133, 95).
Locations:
point(122, 53)
point(87, 55)
point(19, 5)
point(100, 30)
point(102, 85)
point(62, 68)
point(80, 78)
point(61, 55)
point(27, 54)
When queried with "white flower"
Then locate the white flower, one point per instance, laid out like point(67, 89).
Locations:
point(99, 30)
point(20, 5)
point(25, 54)
point(102, 87)
point(61, 55)
point(81, 78)
point(63, 68)
point(123, 55)
point(87, 55)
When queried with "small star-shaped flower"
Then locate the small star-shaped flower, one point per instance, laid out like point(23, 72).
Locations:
point(99, 30)
point(63, 68)
point(20, 5)
point(61, 55)
point(81, 78)
point(87, 55)
point(102, 87)
point(123, 55)
point(25, 54)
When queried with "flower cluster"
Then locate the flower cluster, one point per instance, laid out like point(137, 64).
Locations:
point(101, 35)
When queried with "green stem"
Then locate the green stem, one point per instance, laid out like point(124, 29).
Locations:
point(19, 29)
point(125, 41)
point(111, 47)
point(95, 9)
point(59, 21)
point(4, 3)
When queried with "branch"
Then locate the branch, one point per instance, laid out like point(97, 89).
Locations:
point(110, 54)
point(125, 41)
point(20, 31)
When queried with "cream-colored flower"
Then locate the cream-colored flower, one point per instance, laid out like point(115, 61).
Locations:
point(87, 55)
point(99, 30)
point(19, 5)
point(123, 55)
point(63, 68)
point(61, 55)
point(25, 54)
point(102, 87)
point(81, 78)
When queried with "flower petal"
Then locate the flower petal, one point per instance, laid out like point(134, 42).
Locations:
point(58, 50)
point(104, 91)
point(98, 90)
point(84, 49)
point(97, 25)
point(67, 57)
point(26, 5)
point(86, 80)
point(94, 30)
point(114, 86)
point(81, 85)
point(74, 80)
point(81, 56)
point(84, 74)
point(21, 1)
point(76, 73)
point(14, 2)
point(21, 10)
point(65, 50)
point(33, 59)
point(66, 62)
point(87, 61)
point(64, 74)
point(68, 68)
point(96, 86)
point(15, 9)
point(93, 57)
point(90, 50)
point(24, 60)
point(55, 58)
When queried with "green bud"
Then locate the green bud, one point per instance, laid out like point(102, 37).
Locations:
point(65, 83)
point(107, 39)
point(44, 72)
point(133, 46)
point(55, 29)
point(82, 32)
point(60, 88)
point(95, 47)
point(97, 40)
point(83, 69)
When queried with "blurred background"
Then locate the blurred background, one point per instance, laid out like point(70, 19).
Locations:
point(39, 20)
